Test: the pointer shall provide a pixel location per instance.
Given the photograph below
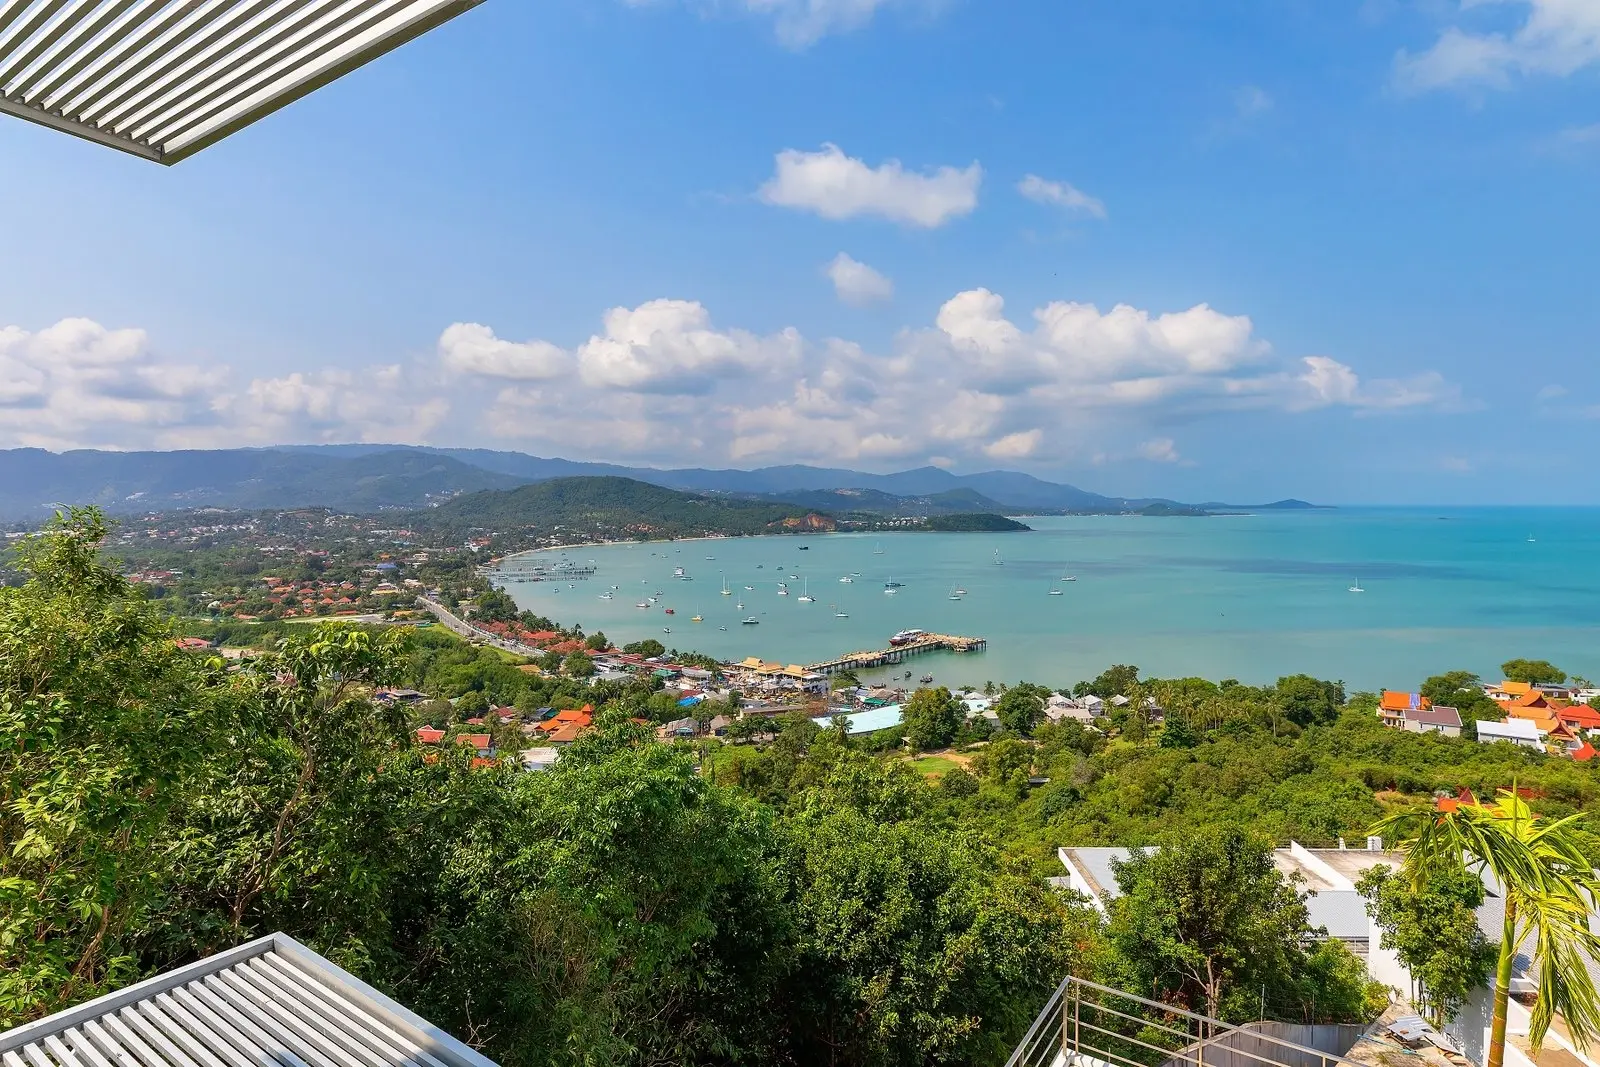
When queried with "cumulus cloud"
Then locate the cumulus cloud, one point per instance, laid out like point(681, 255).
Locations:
point(78, 384)
point(836, 186)
point(856, 283)
point(1555, 38)
point(1060, 194)
point(664, 381)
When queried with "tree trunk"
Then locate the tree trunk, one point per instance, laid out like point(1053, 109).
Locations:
point(1502, 985)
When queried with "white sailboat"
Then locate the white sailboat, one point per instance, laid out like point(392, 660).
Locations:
point(805, 592)
point(1357, 587)
point(955, 592)
point(877, 549)
point(725, 590)
point(1065, 577)
point(998, 562)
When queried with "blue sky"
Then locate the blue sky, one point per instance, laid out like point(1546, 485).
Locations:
point(1197, 248)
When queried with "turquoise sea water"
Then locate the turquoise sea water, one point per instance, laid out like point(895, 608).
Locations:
point(1249, 597)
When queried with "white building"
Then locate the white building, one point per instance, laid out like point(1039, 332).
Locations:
point(1518, 731)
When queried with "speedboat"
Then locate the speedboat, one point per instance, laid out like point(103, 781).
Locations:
point(847, 579)
point(642, 604)
point(672, 611)
point(751, 621)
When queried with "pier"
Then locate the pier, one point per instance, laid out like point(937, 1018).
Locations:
point(895, 654)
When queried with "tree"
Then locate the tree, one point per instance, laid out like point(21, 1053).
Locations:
point(1006, 762)
point(1463, 691)
point(649, 648)
point(596, 642)
point(1021, 707)
point(931, 718)
point(471, 704)
point(1177, 733)
point(1549, 885)
point(1433, 929)
point(105, 720)
point(1307, 701)
point(1114, 681)
point(1208, 916)
point(1533, 671)
point(578, 664)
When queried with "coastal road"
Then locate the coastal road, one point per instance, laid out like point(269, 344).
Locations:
point(472, 633)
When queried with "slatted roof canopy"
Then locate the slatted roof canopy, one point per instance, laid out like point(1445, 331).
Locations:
point(165, 78)
point(269, 1003)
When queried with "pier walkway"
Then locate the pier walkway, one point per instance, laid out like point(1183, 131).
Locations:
point(882, 657)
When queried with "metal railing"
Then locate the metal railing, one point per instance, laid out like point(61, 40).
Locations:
point(1089, 1025)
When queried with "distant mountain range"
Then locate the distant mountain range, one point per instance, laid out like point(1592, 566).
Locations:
point(371, 477)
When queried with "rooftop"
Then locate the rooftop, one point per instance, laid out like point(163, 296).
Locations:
point(271, 1001)
point(164, 79)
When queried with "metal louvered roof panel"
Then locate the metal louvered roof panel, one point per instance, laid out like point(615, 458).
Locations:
point(268, 1003)
point(165, 78)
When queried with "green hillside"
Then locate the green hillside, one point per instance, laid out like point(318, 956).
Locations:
point(971, 522)
point(622, 507)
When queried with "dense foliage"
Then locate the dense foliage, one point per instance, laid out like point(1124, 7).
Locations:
point(966, 522)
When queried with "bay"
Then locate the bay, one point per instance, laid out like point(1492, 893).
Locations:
point(1250, 597)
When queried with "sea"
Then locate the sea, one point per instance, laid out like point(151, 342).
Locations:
point(1251, 597)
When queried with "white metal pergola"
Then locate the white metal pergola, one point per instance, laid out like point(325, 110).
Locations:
point(163, 79)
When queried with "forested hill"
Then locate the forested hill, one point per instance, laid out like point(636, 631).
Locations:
point(622, 507)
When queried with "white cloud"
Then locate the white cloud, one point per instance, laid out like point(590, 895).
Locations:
point(470, 348)
point(1555, 38)
point(1060, 194)
point(800, 24)
point(1250, 101)
point(1551, 392)
point(836, 186)
point(663, 382)
point(1159, 450)
point(856, 283)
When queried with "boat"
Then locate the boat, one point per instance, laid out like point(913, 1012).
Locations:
point(877, 549)
point(724, 629)
point(926, 679)
point(641, 604)
point(739, 606)
point(672, 611)
point(751, 587)
point(751, 621)
point(955, 593)
point(890, 591)
point(1065, 577)
point(840, 615)
point(1057, 592)
point(761, 566)
point(794, 577)
point(725, 590)
point(783, 590)
point(805, 548)
point(906, 637)
point(847, 579)
point(1357, 587)
point(666, 629)
point(708, 557)
point(892, 584)
point(605, 596)
point(696, 617)
point(805, 593)
point(677, 572)
point(998, 562)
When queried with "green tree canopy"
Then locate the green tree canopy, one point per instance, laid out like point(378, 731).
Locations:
point(1533, 671)
point(931, 718)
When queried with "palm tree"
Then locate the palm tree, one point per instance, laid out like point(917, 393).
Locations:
point(1550, 889)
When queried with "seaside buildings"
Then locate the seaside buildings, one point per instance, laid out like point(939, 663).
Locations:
point(1545, 718)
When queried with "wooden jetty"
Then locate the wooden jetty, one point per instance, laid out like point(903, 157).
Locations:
point(885, 656)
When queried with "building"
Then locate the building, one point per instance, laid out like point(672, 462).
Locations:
point(1327, 877)
point(1434, 720)
point(1517, 731)
point(268, 1001)
point(1392, 707)
point(538, 759)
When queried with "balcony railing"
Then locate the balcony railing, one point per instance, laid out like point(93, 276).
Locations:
point(1090, 1025)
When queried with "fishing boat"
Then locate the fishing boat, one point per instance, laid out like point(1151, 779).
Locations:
point(751, 621)
point(1357, 587)
point(805, 593)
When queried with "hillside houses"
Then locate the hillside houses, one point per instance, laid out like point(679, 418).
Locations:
point(1546, 718)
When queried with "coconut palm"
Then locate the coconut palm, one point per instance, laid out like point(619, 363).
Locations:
point(1549, 886)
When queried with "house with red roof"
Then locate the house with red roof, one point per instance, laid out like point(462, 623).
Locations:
point(1579, 717)
point(483, 744)
point(428, 735)
point(1392, 707)
point(1584, 752)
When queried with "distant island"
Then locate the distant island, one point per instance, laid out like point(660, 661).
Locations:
point(973, 523)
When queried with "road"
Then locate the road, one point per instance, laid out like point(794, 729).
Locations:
point(472, 633)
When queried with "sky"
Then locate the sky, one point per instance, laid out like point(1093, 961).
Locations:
point(1344, 250)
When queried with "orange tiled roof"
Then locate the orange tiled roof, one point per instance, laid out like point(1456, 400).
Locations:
point(1543, 718)
point(1531, 700)
point(1585, 753)
point(1395, 701)
point(1516, 689)
point(474, 740)
point(1581, 716)
point(428, 735)
point(569, 731)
